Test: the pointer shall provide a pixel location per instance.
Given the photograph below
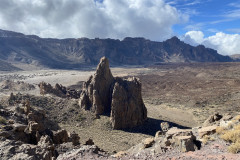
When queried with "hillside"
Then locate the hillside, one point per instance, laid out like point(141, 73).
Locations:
point(75, 53)
point(4, 66)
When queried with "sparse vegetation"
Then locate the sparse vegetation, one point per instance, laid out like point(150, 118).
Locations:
point(234, 148)
point(232, 135)
point(207, 138)
point(220, 130)
point(2, 120)
point(81, 117)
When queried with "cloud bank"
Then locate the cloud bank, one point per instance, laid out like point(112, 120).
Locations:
point(152, 19)
point(225, 44)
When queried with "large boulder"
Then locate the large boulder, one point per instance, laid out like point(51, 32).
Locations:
point(104, 94)
point(128, 109)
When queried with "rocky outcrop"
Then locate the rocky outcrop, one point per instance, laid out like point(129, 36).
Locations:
point(9, 85)
point(27, 133)
point(127, 108)
point(96, 94)
point(58, 90)
point(121, 98)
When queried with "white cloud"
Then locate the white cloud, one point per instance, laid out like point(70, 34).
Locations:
point(152, 19)
point(196, 36)
point(225, 44)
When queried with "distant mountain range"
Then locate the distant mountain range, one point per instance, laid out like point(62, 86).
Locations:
point(77, 53)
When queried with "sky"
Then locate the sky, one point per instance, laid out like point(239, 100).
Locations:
point(213, 23)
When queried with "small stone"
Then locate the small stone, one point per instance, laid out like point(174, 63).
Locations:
point(148, 142)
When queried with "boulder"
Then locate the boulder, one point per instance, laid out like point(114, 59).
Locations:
point(60, 136)
point(185, 143)
point(183, 139)
point(74, 138)
point(148, 142)
point(173, 132)
point(207, 131)
point(213, 119)
point(128, 109)
point(89, 142)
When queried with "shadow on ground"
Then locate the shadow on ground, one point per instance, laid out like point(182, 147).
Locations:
point(151, 126)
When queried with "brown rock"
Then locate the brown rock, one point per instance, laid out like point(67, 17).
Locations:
point(213, 119)
point(207, 131)
point(60, 136)
point(185, 143)
point(89, 142)
point(32, 127)
point(97, 93)
point(119, 154)
point(102, 93)
point(74, 138)
point(173, 132)
point(148, 142)
point(128, 109)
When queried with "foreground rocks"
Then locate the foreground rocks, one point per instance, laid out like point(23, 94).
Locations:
point(121, 98)
point(26, 133)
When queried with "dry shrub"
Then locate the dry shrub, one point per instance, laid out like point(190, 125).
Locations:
point(231, 136)
point(234, 148)
point(220, 130)
point(207, 138)
point(2, 120)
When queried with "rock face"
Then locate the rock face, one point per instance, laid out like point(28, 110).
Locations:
point(104, 94)
point(96, 93)
point(128, 109)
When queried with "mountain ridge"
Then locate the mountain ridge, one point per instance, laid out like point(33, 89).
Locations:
point(76, 53)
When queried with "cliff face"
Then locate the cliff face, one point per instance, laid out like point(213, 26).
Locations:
point(73, 53)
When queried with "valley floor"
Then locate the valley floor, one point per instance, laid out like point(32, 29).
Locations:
point(182, 94)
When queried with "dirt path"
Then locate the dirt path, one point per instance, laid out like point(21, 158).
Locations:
point(166, 113)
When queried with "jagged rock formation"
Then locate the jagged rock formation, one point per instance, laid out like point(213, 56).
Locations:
point(96, 92)
point(58, 90)
point(75, 53)
point(102, 93)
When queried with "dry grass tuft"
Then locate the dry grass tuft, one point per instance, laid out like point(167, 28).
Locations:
point(3, 120)
point(232, 136)
point(234, 148)
point(220, 130)
point(207, 138)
